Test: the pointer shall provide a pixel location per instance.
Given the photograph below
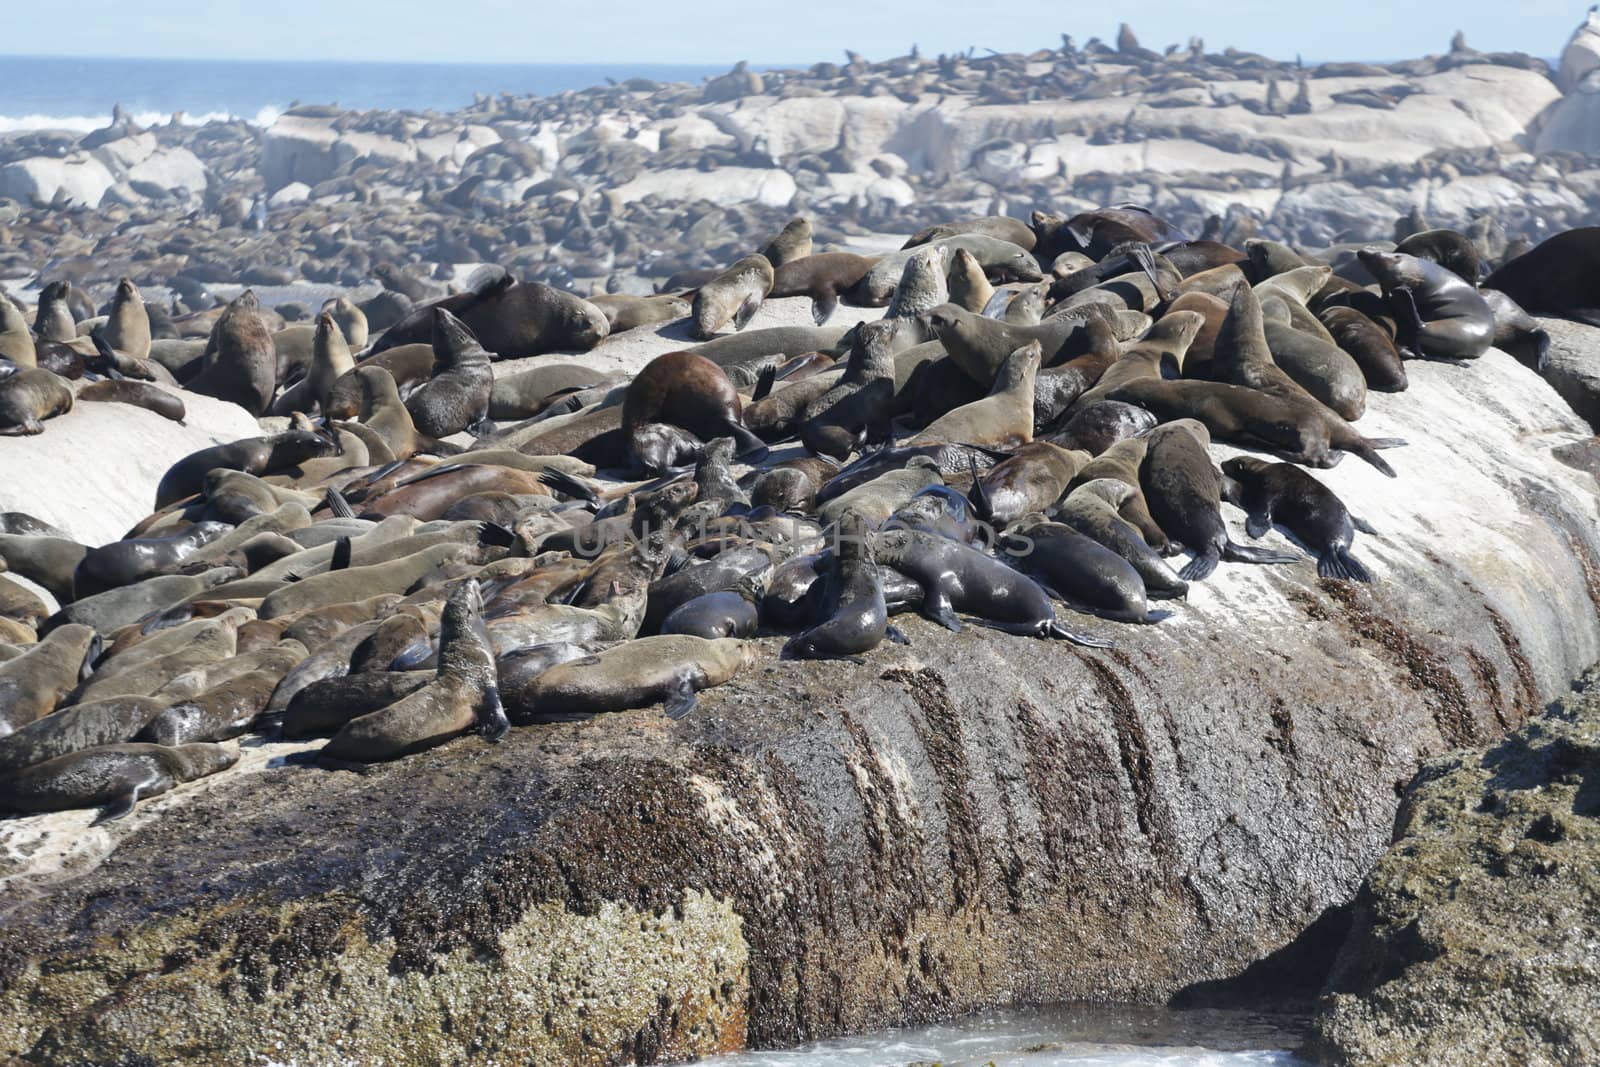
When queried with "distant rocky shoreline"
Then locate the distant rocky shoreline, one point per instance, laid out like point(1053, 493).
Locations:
point(620, 186)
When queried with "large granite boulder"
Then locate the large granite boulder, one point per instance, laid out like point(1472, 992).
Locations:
point(1474, 938)
point(977, 819)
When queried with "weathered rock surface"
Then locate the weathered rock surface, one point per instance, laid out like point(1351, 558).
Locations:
point(1475, 937)
point(1574, 367)
point(975, 820)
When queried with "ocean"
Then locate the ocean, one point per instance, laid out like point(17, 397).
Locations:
point(78, 93)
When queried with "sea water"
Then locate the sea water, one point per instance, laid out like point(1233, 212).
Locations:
point(78, 93)
point(1061, 1036)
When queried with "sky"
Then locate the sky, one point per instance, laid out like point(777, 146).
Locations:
point(794, 32)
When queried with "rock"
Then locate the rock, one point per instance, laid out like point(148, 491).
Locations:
point(1582, 53)
point(78, 178)
point(1574, 368)
point(1474, 937)
point(171, 169)
point(297, 148)
point(1573, 122)
point(293, 193)
point(725, 185)
point(973, 820)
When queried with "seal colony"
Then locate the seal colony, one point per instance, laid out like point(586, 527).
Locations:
point(413, 550)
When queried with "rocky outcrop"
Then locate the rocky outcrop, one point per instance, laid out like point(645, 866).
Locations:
point(1474, 937)
point(976, 819)
point(1574, 368)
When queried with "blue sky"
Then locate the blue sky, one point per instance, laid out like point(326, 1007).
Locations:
point(721, 31)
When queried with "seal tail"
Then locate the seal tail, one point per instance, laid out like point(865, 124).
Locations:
point(1237, 553)
point(1363, 525)
point(976, 495)
point(764, 381)
point(337, 504)
point(1339, 563)
point(562, 482)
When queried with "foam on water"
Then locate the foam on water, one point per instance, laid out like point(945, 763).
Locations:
point(263, 117)
point(1061, 1036)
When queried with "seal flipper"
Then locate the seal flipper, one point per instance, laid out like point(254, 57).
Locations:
point(1056, 630)
point(1200, 568)
point(764, 380)
point(563, 482)
point(936, 606)
point(823, 305)
point(1362, 525)
point(124, 804)
point(747, 311)
point(1237, 553)
point(337, 504)
point(1367, 450)
point(681, 701)
point(341, 555)
point(752, 449)
point(977, 496)
point(1147, 263)
point(1339, 563)
point(492, 721)
point(897, 635)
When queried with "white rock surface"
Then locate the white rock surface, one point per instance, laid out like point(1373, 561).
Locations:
point(725, 185)
point(1582, 53)
point(93, 472)
point(79, 176)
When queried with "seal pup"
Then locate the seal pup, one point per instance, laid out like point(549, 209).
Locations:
point(968, 286)
point(1184, 490)
point(735, 294)
point(241, 363)
point(1284, 494)
point(28, 398)
point(53, 320)
point(115, 776)
point(723, 613)
point(129, 560)
point(668, 669)
point(466, 690)
point(1439, 314)
point(457, 396)
point(1369, 345)
point(1078, 570)
point(856, 410)
point(1031, 479)
point(922, 284)
point(858, 617)
point(330, 361)
point(151, 398)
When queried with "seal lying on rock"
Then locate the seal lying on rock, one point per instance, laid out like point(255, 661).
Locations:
point(116, 776)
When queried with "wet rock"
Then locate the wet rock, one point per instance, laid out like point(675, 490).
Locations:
point(1474, 936)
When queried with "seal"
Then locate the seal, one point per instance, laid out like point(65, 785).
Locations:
point(1320, 367)
point(1002, 227)
point(322, 707)
point(241, 363)
point(792, 243)
point(980, 345)
point(101, 722)
point(969, 287)
point(734, 295)
point(529, 392)
point(922, 284)
point(355, 583)
point(677, 401)
point(1453, 251)
point(465, 691)
point(1556, 278)
point(1184, 490)
point(35, 682)
point(151, 398)
point(996, 257)
point(1284, 494)
point(956, 577)
point(115, 776)
point(409, 365)
point(1438, 314)
point(1079, 570)
point(1095, 233)
point(857, 618)
point(669, 669)
point(1369, 345)
point(856, 410)
point(143, 675)
point(1098, 426)
point(29, 397)
point(724, 613)
point(225, 709)
point(1093, 509)
point(1031, 479)
point(1122, 462)
point(116, 608)
point(457, 397)
point(1002, 419)
point(127, 328)
point(253, 455)
point(53, 320)
point(1160, 353)
point(624, 312)
point(1517, 332)
point(385, 416)
point(16, 340)
point(330, 361)
point(514, 321)
point(124, 562)
point(822, 276)
point(44, 559)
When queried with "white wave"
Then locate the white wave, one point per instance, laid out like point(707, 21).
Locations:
point(87, 123)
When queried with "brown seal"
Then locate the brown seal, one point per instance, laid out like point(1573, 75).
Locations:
point(670, 668)
point(116, 776)
point(734, 295)
point(241, 364)
point(163, 402)
point(16, 340)
point(1560, 277)
point(1002, 419)
point(511, 320)
point(1031, 479)
point(1369, 345)
point(30, 396)
point(128, 326)
point(457, 397)
point(793, 242)
point(675, 403)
